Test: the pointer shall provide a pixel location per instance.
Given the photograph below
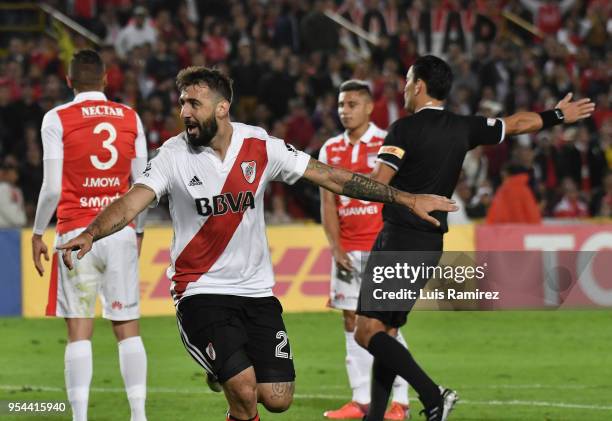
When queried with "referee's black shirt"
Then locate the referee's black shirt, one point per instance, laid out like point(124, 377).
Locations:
point(427, 151)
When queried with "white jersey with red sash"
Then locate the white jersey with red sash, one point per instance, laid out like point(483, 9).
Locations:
point(220, 244)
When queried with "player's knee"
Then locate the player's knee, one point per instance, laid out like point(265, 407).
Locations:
point(365, 329)
point(276, 397)
point(361, 336)
point(277, 405)
point(349, 321)
point(242, 395)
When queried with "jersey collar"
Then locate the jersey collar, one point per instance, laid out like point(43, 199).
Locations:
point(89, 96)
point(431, 107)
point(365, 138)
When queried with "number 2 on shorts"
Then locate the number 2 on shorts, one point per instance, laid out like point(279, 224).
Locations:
point(281, 334)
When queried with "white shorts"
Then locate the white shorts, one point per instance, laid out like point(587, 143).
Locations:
point(344, 288)
point(109, 270)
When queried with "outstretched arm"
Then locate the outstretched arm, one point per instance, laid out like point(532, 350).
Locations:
point(340, 181)
point(113, 218)
point(528, 122)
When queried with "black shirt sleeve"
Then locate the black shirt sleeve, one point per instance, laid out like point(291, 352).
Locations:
point(485, 131)
point(393, 150)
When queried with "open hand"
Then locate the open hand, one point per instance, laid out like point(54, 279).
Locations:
point(38, 248)
point(342, 259)
point(576, 110)
point(422, 204)
point(82, 242)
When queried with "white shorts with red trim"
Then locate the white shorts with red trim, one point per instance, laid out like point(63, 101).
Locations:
point(344, 288)
point(109, 270)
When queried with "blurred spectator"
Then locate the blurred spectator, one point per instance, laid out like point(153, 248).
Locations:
point(601, 205)
point(30, 169)
point(548, 13)
point(275, 88)
point(162, 65)
point(317, 31)
point(12, 211)
point(216, 46)
point(475, 168)
point(583, 159)
point(282, 52)
point(571, 204)
point(389, 107)
point(514, 201)
point(299, 128)
point(139, 32)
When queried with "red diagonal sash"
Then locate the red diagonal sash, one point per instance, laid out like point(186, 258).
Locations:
point(211, 240)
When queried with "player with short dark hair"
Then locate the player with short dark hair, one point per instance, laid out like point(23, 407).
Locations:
point(351, 226)
point(92, 149)
point(424, 153)
point(215, 174)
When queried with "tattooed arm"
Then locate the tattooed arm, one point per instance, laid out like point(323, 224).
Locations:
point(340, 181)
point(113, 218)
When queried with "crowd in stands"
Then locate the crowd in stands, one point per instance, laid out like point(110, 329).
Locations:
point(287, 60)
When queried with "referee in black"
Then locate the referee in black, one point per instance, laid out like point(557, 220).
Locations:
point(423, 153)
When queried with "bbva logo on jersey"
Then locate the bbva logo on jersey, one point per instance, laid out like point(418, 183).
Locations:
point(224, 203)
point(248, 169)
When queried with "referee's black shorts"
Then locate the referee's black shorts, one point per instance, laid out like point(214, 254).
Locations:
point(395, 238)
point(226, 334)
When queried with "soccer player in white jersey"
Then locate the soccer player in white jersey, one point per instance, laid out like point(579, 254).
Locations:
point(91, 148)
point(215, 174)
point(351, 226)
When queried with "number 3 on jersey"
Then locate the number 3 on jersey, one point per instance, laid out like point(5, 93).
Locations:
point(106, 144)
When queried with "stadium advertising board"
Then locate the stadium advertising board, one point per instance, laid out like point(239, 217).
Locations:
point(553, 266)
point(300, 254)
point(10, 278)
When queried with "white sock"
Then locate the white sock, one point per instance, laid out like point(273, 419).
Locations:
point(359, 369)
point(133, 364)
point(78, 369)
point(400, 386)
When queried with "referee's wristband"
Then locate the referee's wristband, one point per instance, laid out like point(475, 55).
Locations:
point(552, 118)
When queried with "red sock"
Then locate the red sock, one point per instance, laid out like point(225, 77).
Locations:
point(229, 417)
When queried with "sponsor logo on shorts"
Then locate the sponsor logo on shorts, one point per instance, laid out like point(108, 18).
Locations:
point(116, 305)
point(210, 351)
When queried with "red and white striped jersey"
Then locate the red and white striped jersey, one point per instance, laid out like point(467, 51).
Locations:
point(360, 220)
point(97, 140)
point(220, 244)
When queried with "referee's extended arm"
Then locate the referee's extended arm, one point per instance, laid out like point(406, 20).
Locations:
point(347, 183)
point(570, 112)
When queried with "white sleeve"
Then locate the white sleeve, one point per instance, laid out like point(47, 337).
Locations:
point(12, 212)
point(141, 140)
point(51, 132)
point(138, 166)
point(50, 192)
point(323, 153)
point(286, 163)
point(157, 174)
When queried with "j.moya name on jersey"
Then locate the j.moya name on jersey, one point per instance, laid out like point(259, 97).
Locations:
point(225, 203)
point(99, 110)
point(101, 182)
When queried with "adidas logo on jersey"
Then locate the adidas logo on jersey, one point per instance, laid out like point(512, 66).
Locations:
point(195, 181)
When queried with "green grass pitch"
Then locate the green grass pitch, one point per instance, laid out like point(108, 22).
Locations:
point(540, 365)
